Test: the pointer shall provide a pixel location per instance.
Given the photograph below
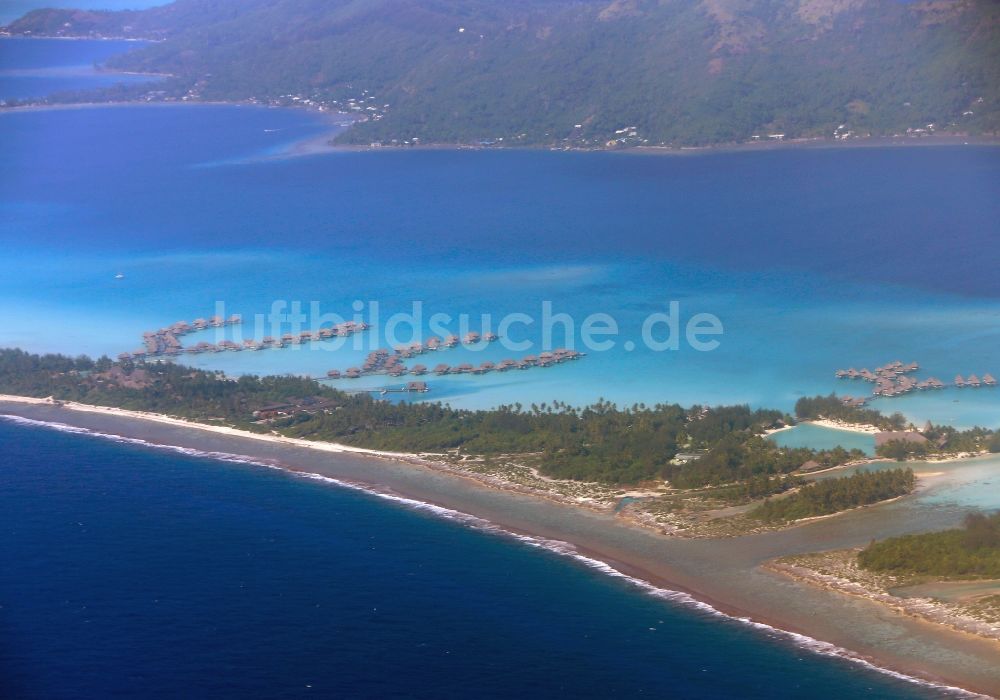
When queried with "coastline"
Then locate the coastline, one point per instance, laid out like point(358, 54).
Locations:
point(816, 571)
point(326, 144)
point(706, 575)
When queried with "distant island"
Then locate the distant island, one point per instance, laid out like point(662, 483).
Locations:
point(571, 73)
point(695, 471)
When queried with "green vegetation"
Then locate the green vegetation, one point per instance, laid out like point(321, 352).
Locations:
point(972, 551)
point(831, 408)
point(574, 72)
point(601, 442)
point(941, 440)
point(834, 495)
point(750, 459)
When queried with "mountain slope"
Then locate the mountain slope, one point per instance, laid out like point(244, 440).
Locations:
point(530, 71)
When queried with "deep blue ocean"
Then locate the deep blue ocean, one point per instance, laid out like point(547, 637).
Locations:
point(132, 572)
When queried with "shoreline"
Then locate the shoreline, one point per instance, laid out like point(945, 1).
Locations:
point(666, 579)
point(328, 145)
point(928, 610)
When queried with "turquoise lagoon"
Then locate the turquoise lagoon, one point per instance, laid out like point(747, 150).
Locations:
point(115, 221)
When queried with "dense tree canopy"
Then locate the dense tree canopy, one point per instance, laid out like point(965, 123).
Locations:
point(971, 551)
point(578, 72)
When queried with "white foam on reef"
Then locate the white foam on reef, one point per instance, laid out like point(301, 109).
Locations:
point(559, 547)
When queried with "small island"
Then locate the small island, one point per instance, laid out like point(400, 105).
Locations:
point(685, 471)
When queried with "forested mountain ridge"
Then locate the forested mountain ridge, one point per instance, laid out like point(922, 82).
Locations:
point(579, 72)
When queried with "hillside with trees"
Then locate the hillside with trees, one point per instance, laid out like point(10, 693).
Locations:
point(587, 73)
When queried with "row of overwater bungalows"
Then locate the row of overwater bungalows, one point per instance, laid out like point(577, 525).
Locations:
point(381, 361)
point(893, 380)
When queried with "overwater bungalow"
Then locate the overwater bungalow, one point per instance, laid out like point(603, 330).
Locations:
point(505, 365)
point(433, 343)
point(490, 337)
point(234, 320)
point(416, 348)
point(418, 370)
point(470, 338)
point(124, 356)
point(451, 341)
point(840, 373)
point(529, 360)
point(959, 380)
point(397, 371)
point(973, 380)
point(441, 369)
point(216, 321)
point(852, 373)
point(464, 368)
point(417, 386)
point(333, 374)
point(484, 368)
point(200, 324)
point(352, 373)
point(988, 380)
